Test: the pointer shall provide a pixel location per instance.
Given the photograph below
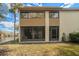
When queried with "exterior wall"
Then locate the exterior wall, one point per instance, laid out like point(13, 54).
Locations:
point(54, 22)
point(32, 22)
point(69, 22)
point(5, 35)
point(2, 36)
point(41, 22)
point(38, 22)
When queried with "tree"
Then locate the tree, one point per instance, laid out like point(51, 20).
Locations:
point(3, 10)
point(0, 12)
point(14, 9)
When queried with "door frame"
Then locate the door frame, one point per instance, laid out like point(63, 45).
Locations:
point(57, 33)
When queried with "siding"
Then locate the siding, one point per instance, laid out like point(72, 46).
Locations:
point(32, 22)
point(54, 22)
point(38, 22)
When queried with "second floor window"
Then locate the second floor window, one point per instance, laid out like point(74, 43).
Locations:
point(32, 15)
point(54, 14)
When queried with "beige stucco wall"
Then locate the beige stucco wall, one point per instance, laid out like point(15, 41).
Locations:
point(69, 22)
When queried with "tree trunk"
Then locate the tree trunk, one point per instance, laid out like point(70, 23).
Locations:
point(14, 26)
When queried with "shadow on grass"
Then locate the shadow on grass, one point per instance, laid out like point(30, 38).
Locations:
point(68, 51)
point(3, 51)
point(12, 42)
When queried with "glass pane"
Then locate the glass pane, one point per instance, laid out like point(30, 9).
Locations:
point(32, 15)
point(54, 15)
point(33, 33)
point(54, 33)
point(27, 33)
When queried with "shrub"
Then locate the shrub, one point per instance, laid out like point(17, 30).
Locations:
point(63, 37)
point(74, 37)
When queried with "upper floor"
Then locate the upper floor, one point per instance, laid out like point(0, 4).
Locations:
point(35, 16)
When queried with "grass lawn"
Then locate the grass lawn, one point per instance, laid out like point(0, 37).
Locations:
point(53, 49)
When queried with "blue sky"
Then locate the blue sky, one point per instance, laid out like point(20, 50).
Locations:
point(7, 25)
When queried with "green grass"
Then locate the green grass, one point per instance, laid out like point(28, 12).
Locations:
point(53, 49)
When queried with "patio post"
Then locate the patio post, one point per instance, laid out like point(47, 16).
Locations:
point(47, 26)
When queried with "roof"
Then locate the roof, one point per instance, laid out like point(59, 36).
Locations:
point(24, 9)
point(70, 9)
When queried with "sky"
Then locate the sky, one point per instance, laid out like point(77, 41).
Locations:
point(7, 24)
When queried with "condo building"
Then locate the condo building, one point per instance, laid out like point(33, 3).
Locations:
point(47, 24)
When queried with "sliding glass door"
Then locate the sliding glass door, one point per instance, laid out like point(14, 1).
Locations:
point(37, 33)
point(33, 33)
point(54, 33)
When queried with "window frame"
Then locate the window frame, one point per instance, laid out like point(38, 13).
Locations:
point(28, 17)
point(53, 16)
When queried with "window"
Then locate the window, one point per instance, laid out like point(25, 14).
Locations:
point(32, 15)
point(54, 14)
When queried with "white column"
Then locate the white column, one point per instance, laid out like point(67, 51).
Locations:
point(60, 27)
point(47, 26)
